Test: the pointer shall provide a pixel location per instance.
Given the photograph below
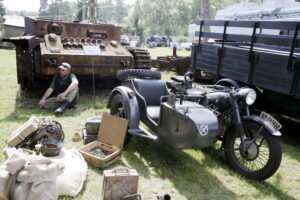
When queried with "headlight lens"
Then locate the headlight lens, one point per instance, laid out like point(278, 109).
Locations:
point(251, 97)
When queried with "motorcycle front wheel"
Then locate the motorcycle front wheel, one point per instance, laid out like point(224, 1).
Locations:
point(262, 156)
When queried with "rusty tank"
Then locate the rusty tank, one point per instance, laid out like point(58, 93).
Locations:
point(47, 43)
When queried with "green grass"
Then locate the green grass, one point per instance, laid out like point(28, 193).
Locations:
point(185, 174)
point(166, 51)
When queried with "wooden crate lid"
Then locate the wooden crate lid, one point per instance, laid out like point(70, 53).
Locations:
point(112, 130)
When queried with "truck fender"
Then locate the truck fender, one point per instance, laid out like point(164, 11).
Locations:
point(228, 82)
point(271, 130)
point(131, 105)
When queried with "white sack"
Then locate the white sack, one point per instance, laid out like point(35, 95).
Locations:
point(70, 183)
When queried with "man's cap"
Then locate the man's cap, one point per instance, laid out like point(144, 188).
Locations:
point(64, 66)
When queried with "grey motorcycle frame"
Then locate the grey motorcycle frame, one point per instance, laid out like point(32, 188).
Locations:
point(185, 124)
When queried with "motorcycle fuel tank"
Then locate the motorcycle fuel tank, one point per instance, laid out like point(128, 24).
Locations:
point(187, 125)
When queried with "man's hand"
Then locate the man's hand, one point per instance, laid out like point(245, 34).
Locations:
point(61, 96)
point(42, 103)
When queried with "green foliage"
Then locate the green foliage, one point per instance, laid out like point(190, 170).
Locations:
point(120, 11)
point(182, 39)
point(136, 18)
point(106, 11)
point(2, 8)
point(144, 17)
point(79, 12)
point(57, 10)
point(22, 13)
point(43, 8)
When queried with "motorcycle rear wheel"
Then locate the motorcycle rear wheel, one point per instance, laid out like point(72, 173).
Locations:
point(263, 155)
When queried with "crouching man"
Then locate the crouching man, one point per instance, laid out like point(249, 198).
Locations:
point(63, 89)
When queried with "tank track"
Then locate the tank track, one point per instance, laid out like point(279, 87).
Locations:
point(142, 58)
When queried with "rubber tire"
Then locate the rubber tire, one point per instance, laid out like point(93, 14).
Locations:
point(138, 73)
point(274, 158)
point(118, 98)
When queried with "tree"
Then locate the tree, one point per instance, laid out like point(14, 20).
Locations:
point(58, 9)
point(81, 10)
point(120, 11)
point(2, 8)
point(43, 8)
point(105, 11)
point(92, 8)
point(170, 17)
point(137, 29)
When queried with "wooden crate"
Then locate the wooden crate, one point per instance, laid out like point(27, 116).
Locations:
point(96, 161)
point(119, 183)
point(110, 137)
point(22, 132)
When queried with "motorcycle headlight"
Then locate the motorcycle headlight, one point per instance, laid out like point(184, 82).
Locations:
point(249, 95)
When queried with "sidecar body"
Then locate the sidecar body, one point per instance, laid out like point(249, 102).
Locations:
point(180, 124)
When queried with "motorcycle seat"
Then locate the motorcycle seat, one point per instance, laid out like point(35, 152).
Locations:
point(153, 112)
point(151, 91)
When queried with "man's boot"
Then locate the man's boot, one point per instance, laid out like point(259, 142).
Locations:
point(62, 108)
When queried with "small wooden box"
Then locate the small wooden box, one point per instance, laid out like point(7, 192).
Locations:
point(23, 131)
point(88, 138)
point(119, 183)
point(110, 138)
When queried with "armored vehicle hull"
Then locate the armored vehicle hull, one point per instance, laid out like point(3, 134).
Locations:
point(47, 43)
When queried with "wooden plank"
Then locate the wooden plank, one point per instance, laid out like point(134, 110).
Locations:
point(280, 25)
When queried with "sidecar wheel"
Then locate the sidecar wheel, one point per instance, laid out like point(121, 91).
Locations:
point(263, 155)
point(118, 109)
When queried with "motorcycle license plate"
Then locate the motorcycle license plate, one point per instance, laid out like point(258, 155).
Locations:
point(271, 120)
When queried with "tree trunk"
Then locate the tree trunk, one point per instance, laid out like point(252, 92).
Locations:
point(204, 14)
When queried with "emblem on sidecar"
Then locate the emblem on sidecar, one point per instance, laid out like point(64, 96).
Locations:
point(203, 130)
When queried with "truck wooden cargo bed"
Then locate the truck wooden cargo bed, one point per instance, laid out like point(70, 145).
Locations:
point(264, 54)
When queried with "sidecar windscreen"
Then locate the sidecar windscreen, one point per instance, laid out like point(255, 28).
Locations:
point(151, 91)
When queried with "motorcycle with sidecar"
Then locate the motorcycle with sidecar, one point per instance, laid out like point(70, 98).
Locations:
point(187, 117)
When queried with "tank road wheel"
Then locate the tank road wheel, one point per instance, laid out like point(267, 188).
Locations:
point(262, 156)
point(118, 109)
point(138, 73)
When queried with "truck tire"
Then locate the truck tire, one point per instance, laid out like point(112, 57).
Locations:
point(138, 73)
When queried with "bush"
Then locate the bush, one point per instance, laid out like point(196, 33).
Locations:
point(182, 39)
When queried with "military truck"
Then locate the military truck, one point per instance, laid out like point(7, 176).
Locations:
point(264, 55)
point(47, 43)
